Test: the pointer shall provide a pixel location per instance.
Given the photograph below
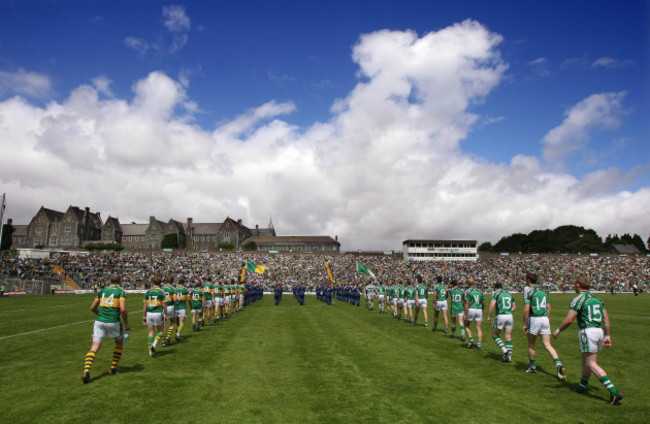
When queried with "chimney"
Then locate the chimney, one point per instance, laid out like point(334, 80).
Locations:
point(10, 221)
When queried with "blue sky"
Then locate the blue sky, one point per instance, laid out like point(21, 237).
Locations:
point(373, 120)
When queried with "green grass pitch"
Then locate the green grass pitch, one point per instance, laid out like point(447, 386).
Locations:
point(314, 364)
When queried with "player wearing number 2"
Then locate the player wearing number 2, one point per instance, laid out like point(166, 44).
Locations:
point(110, 306)
point(504, 304)
point(537, 313)
point(593, 334)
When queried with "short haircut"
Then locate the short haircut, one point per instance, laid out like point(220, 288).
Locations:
point(498, 285)
point(157, 280)
point(583, 282)
point(116, 279)
point(532, 277)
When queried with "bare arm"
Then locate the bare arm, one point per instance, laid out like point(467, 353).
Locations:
point(95, 306)
point(124, 313)
point(607, 342)
point(567, 322)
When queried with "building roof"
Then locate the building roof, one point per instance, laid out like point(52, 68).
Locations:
point(19, 230)
point(625, 248)
point(437, 241)
point(134, 229)
point(205, 228)
point(51, 214)
point(294, 240)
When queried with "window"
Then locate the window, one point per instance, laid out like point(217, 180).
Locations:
point(53, 240)
point(68, 228)
point(39, 230)
point(37, 241)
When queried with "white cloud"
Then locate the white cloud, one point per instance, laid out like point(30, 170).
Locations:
point(175, 19)
point(25, 83)
point(139, 45)
point(610, 62)
point(388, 166)
point(594, 112)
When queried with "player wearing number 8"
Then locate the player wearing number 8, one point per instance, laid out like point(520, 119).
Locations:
point(593, 334)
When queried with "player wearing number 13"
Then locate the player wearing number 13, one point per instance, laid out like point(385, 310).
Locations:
point(593, 334)
point(154, 314)
point(110, 306)
point(504, 304)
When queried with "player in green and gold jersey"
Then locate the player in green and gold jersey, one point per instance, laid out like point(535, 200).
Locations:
point(170, 301)
point(593, 334)
point(196, 302)
point(154, 314)
point(182, 295)
point(109, 306)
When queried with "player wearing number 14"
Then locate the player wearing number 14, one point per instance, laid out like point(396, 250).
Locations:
point(593, 334)
point(110, 306)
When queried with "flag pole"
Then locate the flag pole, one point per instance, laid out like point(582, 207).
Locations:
point(2, 218)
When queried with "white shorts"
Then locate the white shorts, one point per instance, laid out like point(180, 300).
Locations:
point(381, 297)
point(197, 311)
point(539, 325)
point(370, 297)
point(591, 339)
point(422, 303)
point(475, 315)
point(171, 311)
point(459, 314)
point(240, 297)
point(208, 303)
point(155, 318)
point(503, 321)
point(441, 305)
point(410, 303)
point(394, 301)
point(227, 300)
point(181, 313)
point(400, 302)
point(219, 301)
point(109, 330)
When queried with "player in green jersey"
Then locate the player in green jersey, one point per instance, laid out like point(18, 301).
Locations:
point(409, 297)
point(421, 301)
point(537, 315)
point(170, 301)
point(474, 304)
point(109, 306)
point(154, 314)
point(457, 295)
point(440, 304)
point(196, 302)
point(381, 298)
point(181, 307)
point(503, 305)
point(593, 334)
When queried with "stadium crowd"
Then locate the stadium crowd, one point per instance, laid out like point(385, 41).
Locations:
point(287, 270)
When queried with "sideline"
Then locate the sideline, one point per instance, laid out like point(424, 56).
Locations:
point(53, 328)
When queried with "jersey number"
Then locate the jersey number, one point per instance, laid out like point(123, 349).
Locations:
point(594, 314)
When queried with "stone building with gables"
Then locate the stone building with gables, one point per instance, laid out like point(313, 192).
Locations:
point(206, 237)
point(50, 228)
point(296, 244)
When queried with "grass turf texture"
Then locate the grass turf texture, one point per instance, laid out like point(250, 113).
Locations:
point(289, 364)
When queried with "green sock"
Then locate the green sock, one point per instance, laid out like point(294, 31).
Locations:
point(453, 330)
point(608, 384)
point(462, 330)
point(532, 363)
point(180, 329)
point(558, 363)
point(582, 386)
point(509, 346)
point(149, 341)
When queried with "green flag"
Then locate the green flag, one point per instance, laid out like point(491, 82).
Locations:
point(362, 269)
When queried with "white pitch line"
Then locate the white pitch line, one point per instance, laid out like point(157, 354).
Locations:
point(50, 328)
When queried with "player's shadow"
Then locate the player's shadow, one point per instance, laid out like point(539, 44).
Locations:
point(132, 368)
point(161, 352)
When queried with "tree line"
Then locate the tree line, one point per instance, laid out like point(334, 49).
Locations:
point(564, 239)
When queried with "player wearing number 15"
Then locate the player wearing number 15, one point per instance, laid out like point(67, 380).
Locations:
point(593, 334)
point(110, 306)
point(154, 314)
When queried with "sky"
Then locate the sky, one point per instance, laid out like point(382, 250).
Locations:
point(374, 121)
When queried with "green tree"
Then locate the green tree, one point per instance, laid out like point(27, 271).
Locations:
point(250, 246)
point(169, 241)
point(7, 231)
point(486, 246)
